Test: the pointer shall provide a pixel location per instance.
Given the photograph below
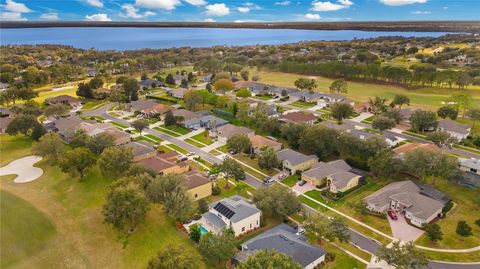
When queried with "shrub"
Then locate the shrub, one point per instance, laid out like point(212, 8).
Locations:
point(216, 190)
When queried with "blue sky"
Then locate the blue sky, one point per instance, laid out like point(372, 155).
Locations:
point(238, 10)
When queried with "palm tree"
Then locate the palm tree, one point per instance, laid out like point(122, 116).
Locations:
point(377, 104)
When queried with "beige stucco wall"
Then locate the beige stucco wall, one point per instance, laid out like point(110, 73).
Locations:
point(351, 184)
point(249, 223)
point(300, 167)
point(202, 191)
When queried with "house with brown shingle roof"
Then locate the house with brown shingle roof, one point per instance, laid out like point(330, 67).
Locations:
point(165, 163)
point(336, 175)
point(223, 133)
point(148, 107)
point(299, 117)
point(197, 184)
point(258, 142)
point(64, 99)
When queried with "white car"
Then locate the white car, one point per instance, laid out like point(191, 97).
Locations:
point(191, 154)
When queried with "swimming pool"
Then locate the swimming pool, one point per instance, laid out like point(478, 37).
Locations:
point(203, 230)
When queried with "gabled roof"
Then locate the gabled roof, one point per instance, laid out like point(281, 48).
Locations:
point(143, 104)
point(259, 141)
point(235, 208)
point(453, 126)
point(338, 171)
point(283, 239)
point(298, 117)
point(305, 94)
point(382, 196)
point(228, 130)
point(471, 163)
point(294, 157)
point(138, 149)
point(195, 178)
point(62, 98)
point(345, 126)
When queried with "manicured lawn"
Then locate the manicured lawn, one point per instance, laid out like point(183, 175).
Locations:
point(92, 103)
point(24, 230)
point(193, 142)
point(174, 131)
point(177, 148)
point(46, 94)
point(475, 130)
point(427, 98)
point(303, 104)
point(166, 131)
point(164, 148)
point(453, 257)
point(360, 253)
point(342, 259)
point(150, 138)
point(469, 149)
point(123, 126)
point(13, 147)
point(203, 138)
point(291, 180)
point(316, 195)
point(263, 97)
point(223, 149)
point(253, 163)
point(95, 118)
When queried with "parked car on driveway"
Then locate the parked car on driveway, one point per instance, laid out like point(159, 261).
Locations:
point(302, 182)
point(268, 181)
point(392, 215)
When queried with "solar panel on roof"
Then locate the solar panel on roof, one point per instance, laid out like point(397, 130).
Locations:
point(222, 209)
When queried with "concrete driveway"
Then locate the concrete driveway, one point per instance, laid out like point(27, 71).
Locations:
point(23, 168)
point(403, 231)
point(302, 189)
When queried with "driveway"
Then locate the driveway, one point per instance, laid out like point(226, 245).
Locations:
point(403, 231)
point(302, 189)
point(23, 168)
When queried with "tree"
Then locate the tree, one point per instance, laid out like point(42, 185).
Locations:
point(377, 104)
point(306, 84)
point(232, 168)
point(23, 124)
point(131, 88)
point(402, 257)
point(99, 142)
point(170, 119)
point(318, 227)
point(195, 233)
point(319, 140)
point(244, 74)
point(292, 133)
point(269, 259)
point(447, 111)
point(276, 201)
point(139, 125)
point(422, 120)
point(191, 99)
point(223, 85)
point(400, 100)
point(38, 131)
point(428, 163)
point(243, 93)
point(96, 82)
point(464, 229)
point(125, 207)
point(385, 164)
point(85, 90)
point(56, 110)
point(461, 101)
point(255, 78)
point(382, 123)
point(267, 159)
point(239, 143)
point(184, 83)
point(441, 138)
point(170, 191)
point(173, 257)
point(341, 111)
point(474, 115)
point(202, 206)
point(77, 161)
point(49, 146)
point(169, 79)
point(218, 248)
point(115, 161)
point(340, 230)
point(433, 232)
point(393, 113)
point(339, 86)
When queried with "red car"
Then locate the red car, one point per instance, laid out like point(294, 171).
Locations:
point(392, 215)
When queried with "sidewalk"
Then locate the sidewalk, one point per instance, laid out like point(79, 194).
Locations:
point(362, 116)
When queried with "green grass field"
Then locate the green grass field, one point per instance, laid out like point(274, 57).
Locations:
point(427, 98)
point(253, 163)
point(24, 230)
point(203, 138)
point(291, 180)
point(194, 143)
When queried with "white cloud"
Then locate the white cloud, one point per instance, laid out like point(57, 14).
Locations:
point(244, 9)
point(159, 4)
point(419, 12)
point(196, 2)
point(11, 16)
point(209, 20)
point(49, 16)
point(402, 2)
point(217, 10)
point(329, 6)
point(15, 7)
point(283, 3)
point(311, 16)
point(445, 8)
point(132, 12)
point(97, 17)
point(95, 3)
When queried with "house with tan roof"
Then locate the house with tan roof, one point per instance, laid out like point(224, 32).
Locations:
point(298, 117)
point(140, 150)
point(407, 198)
point(457, 130)
point(148, 108)
point(258, 142)
point(197, 184)
point(336, 175)
point(166, 163)
point(294, 161)
point(223, 133)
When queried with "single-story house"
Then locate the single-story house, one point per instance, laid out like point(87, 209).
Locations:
point(148, 84)
point(457, 130)
point(184, 114)
point(207, 121)
point(258, 142)
point(197, 184)
point(178, 79)
point(309, 97)
point(335, 174)
point(119, 136)
point(178, 92)
point(331, 98)
point(64, 99)
point(166, 163)
point(277, 91)
point(405, 197)
point(141, 150)
point(295, 161)
point(65, 127)
point(148, 108)
point(93, 129)
point(234, 212)
point(470, 165)
point(223, 133)
point(283, 239)
point(391, 139)
point(268, 109)
point(344, 127)
point(298, 117)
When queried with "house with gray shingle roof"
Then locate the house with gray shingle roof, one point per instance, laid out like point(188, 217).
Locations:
point(284, 239)
point(223, 133)
point(458, 130)
point(407, 198)
point(336, 175)
point(294, 161)
point(470, 165)
point(234, 212)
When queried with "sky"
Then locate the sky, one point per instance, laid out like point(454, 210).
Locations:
point(238, 10)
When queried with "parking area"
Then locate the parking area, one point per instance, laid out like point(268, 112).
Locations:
point(302, 189)
point(403, 231)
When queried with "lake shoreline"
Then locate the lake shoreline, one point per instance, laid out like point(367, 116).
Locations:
point(391, 26)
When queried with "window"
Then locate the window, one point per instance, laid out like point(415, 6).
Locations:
point(196, 195)
point(243, 229)
point(473, 170)
point(250, 226)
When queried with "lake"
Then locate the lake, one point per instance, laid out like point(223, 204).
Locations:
point(130, 38)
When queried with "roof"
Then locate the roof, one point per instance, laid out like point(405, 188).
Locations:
point(338, 171)
point(156, 164)
point(210, 119)
point(294, 157)
point(305, 94)
point(434, 194)
point(179, 92)
point(138, 149)
point(62, 98)
point(235, 208)
point(340, 164)
point(298, 117)
point(382, 196)
point(471, 163)
point(117, 133)
point(405, 113)
point(228, 130)
point(345, 126)
point(412, 146)
point(143, 104)
point(453, 126)
point(186, 114)
point(283, 239)
point(334, 96)
point(361, 134)
point(214, 219)
point(259, 141)
point(64, 123)
point(158, 108)
point(422, 206)
point(195, 179)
